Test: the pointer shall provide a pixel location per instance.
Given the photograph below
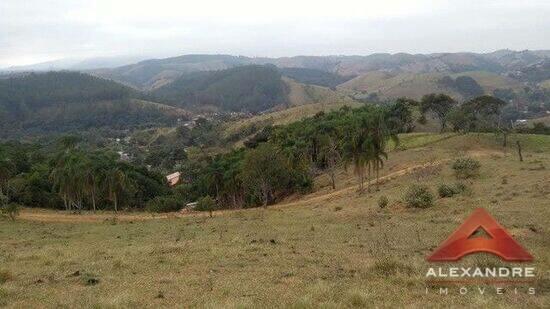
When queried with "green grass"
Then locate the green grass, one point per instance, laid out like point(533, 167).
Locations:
point(305, 255)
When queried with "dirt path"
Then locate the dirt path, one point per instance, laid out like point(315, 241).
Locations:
point(43, 215)
point(353, 188)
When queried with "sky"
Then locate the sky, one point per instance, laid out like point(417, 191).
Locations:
point(33, 31)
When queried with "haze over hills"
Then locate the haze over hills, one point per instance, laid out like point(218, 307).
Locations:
point(154, 73)
point(76, 64)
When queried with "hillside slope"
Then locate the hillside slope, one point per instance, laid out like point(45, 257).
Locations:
point(331, 248)
point(67, 101)
point(523, 65)
point(391, 85)
point(251, 88)
point(154, 73)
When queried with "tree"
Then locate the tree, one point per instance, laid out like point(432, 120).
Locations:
point(439, 104)
point(399, 116)
point(264, 171)
point(330, 155)
point(365, 144)
point(7, 170)
point(206, 204)
point(117, 184)
point(357, 153)
point(94, 174)
point(487, 113)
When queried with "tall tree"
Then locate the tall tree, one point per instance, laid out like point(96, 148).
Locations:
point(117, 184)
point(264, 171)
point(330, 155)
point(439, 104)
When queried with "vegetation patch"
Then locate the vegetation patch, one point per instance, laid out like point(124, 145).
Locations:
point(89, 279)
point(418, 196)
point(383, 201)
point(466, 168)
point(388, 267)
point(163, 204)
point(206, 203)
point(446, 190)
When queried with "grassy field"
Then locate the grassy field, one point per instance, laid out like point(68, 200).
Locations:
point(330, 248)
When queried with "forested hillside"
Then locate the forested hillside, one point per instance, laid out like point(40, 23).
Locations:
point(315, 77)
point(154, 73)
point(251, 88)
point(65, 101)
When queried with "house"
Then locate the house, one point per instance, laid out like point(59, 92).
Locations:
point(173, 179)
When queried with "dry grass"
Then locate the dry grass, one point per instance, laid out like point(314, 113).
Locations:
point(302, 255)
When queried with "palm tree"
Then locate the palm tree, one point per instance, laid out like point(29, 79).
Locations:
point(117, 183)
point(61, 180)
point(356, 154)
point(68, 177)
point(94, 174)
point(330, 155)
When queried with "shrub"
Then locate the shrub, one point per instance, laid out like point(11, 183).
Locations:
point(163, 204)
point(206, 204)
point(390, 267)
point(383, 201)
point(466, 168)
point(89, 279)
point(10, 210)
point(445, 190)
point(418, 196)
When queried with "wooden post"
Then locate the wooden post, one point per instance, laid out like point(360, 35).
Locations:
point(519, 151)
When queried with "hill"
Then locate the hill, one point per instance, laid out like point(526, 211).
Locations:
point(414, 85)
point(329, 248)
point(66, 101)
point(154, 73)
point(252, 88)
point(315, 77)
point(388, 86)
point(151, 74)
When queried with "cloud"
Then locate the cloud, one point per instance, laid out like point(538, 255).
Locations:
point(33, 30)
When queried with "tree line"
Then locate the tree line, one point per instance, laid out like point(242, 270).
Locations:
point(275, 162)
point(72, 175)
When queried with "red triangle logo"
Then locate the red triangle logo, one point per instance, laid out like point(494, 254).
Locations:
point(501, 244)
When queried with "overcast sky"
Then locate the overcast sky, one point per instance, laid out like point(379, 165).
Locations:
point(34, 31)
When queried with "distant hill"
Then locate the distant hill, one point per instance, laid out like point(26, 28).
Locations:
point(155, 73)
point(315, 77)
point(67, 101)
point(75, 64)
point(252, 88)
point(302, 94)
point(464, 85)
point(329, 70)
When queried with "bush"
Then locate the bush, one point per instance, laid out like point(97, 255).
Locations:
point(418, 196)
point(383, 201)
point(466, 168)
point(445, 190)
point(10, 210)
point(163, 204)
point(206, 204)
